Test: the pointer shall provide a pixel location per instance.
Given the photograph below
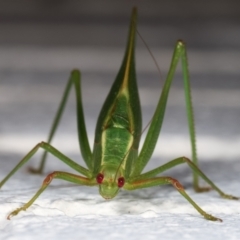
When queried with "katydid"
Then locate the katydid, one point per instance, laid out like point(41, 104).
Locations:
point(115, 162)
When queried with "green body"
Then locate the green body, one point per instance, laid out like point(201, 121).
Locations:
point(115, 162)
point(119, 124)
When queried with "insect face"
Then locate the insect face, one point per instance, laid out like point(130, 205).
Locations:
point(110, 180)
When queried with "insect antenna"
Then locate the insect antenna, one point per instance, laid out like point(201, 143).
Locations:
point(151, 54)
point(158, 69)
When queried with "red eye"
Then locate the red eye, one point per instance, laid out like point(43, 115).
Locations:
point(121, 182)
point(99, 178)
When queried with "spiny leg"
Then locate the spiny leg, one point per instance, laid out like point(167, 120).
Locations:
point(195, 169)
point(74, 79)
point(59, 175)
point(146, 183)
point(156, 124)
point(47, 147)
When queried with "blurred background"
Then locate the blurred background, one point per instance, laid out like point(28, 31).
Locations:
point(42, 41)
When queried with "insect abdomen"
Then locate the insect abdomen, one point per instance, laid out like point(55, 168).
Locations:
point(117, 138)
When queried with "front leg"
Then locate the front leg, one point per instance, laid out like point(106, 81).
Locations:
point(59, 175)
point(146, 183)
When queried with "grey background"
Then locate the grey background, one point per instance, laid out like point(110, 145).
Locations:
point(41, 41)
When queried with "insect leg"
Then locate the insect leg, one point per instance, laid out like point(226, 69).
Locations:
point(157, 120)
point(195, 169)
point(146, 183)
point(47, 147)
point(82, 134)
point(59, 175)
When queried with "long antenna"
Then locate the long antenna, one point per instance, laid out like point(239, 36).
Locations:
point(151, 54)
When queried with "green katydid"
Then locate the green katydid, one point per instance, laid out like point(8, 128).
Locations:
point(115, 162)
